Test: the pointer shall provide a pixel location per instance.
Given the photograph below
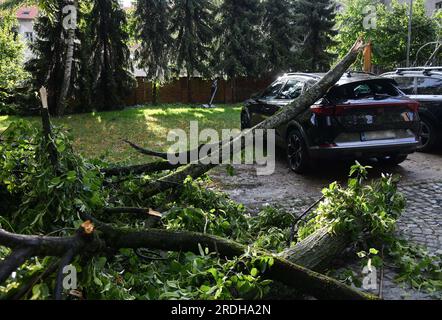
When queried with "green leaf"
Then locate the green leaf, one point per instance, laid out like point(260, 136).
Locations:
point(254, 272)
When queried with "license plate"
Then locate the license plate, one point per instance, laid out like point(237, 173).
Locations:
point(378, 135)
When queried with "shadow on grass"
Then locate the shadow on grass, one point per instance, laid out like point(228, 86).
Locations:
point(99, 134)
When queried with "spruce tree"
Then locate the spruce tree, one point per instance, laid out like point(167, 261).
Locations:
point(109, 54)
point(315, 21)
point(241, 46)
point(192, 28)
point(152, 19)
point(280, 34)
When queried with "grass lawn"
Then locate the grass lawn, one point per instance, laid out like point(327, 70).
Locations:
point(100, 134)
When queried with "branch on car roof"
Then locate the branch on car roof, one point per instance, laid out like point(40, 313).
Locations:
point(316, 92)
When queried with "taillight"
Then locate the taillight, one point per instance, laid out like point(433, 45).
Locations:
point(322, 110)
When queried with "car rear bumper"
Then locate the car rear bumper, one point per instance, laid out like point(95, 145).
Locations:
point(366, 149)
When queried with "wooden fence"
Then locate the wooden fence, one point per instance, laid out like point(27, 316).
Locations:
point(176, 91)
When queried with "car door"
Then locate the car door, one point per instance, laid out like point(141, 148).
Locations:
point(291, 90)
point(429, 94)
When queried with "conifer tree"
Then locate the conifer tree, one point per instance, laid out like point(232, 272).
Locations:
point(192, 29)
point(241, 48)
point(152, 21)
point(315, 24)
point(280, 34)
point(109, 54)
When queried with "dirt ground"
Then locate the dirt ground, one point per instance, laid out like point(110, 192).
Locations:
point(252, 190)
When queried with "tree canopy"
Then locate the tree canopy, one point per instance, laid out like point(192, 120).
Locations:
point(387, 29)
point(11, 62)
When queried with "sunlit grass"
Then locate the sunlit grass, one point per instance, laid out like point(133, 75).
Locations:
point(100, 134)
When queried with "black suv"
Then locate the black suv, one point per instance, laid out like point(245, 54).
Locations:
point(424, 85)
point(362, 116)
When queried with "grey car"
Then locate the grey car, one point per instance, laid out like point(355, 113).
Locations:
point(424, 85)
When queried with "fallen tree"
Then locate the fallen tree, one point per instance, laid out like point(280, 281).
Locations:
point(203, 165)
point(24, 247)
point(310, 252)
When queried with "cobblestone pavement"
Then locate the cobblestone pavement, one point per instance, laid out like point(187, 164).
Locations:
point(421, 183)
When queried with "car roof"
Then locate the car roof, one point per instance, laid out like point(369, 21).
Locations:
point(348, 77)
point(415, 71)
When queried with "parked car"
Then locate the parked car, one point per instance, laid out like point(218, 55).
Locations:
point(362, 116)
point(424, 85)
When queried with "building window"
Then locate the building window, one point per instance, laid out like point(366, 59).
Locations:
point(29, 36)
point(438, 5)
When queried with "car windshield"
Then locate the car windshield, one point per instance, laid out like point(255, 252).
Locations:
point(272, 91)
point(376, 89)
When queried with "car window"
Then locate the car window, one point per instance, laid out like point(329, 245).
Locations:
point(361, 90)
point(427, 85)
point(406, 84)
point(272, 91)
point(292, 89)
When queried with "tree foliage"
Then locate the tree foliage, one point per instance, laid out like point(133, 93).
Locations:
point(152, 21)
point(12, 73)
point(240, 49)
point(192, 29)
point(388, 30)
point(49, 61)
point(315, 21)
point(109, 54)
point(101, 74)
point(280, 35)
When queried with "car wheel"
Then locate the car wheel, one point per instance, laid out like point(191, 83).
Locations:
point(393, 160)
point(427, 135)
point(245, 121)
point(297, 155)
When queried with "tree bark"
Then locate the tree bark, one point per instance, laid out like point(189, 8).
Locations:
point(316, 251)
point(15, 260)
point(140, 169)
point(300, 278)
point(189, 88)
point(47, 129)
point(155, 93)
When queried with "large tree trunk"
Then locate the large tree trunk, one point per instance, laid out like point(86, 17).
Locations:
point(189, 88)
point(316, 251)
point(301, 279)
point(66, 84)
point(155, 93)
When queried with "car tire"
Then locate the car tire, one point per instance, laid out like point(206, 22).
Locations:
point(393, 160)
point(245, 120)
point(297, 155)
point(427, 135)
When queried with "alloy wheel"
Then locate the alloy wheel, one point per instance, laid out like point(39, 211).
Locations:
point(295, 152)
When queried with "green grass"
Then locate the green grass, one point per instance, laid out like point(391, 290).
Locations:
point(100, 134)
